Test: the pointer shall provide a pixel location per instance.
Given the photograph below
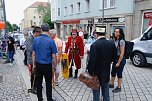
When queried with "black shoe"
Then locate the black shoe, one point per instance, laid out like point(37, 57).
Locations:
point(75, 76)
point(117, 89)
point(70, 76)
point(111, 86)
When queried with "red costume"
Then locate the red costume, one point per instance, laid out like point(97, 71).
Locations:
point(75, 49)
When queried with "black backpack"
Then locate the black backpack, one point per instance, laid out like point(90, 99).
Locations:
point(128, 48)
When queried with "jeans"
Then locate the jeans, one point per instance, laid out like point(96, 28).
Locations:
point(105, 92)
point(11, 56)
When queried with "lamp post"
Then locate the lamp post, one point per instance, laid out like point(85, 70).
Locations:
point(102, 13)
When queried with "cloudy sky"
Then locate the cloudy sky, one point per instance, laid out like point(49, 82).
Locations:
point(15, 8)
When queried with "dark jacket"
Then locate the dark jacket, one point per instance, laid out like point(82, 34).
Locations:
point(102, 53)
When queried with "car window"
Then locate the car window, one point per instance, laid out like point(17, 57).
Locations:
point(148, 35)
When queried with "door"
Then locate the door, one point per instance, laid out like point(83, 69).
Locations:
point(147, 38)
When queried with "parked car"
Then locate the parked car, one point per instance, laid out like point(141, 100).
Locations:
point(142, 51)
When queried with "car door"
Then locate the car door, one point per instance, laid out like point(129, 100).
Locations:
point(147, 38)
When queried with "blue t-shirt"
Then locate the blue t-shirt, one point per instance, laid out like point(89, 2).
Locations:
point(44, 47)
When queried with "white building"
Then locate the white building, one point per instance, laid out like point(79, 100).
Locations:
point(86, 14)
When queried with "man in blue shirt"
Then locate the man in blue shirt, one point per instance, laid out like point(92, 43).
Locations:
point(44, 52)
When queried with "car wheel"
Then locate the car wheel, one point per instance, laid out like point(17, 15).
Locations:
point(138, 59)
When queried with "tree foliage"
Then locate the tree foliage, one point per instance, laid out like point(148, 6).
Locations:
point(11, 27)
point(46, 11)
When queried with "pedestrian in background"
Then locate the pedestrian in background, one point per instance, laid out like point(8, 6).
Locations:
point(11, 49)
point(119, 63)
point(102, 53)
point(90, 40)
point(29, 42)
point(58, 42)
point(44, 51)
point(75, 49)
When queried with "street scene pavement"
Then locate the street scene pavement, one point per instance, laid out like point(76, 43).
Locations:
point(15, 82)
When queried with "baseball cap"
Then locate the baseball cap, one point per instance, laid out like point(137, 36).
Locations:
point(45, 27)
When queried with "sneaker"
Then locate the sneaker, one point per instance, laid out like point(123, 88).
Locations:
point(111, 86)
point(11, 64)
point(117, 89)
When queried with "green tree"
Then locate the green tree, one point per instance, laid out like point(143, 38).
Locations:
point(46, 11)
point(9, 26)
point(15, 27)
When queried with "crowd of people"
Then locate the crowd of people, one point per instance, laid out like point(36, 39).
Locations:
point(44, 51)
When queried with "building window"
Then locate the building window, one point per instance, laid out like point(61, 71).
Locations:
point(58, 11)
point(108, 3)
point(40, 17)
point(105, 3)
point(78, 7)
point(87, 5)
point(112, 3)
point(34, 23)
point(65, 11)
point(71, 9)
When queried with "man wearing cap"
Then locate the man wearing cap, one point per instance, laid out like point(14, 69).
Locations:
point(29, 41)
point(75, 49)
point(58, 42)
point(102, 53)
point(44, 52)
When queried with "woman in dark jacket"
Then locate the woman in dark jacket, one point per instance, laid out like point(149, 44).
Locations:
point(11, 47)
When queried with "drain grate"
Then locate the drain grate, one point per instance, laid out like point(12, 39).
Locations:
point(1, 79)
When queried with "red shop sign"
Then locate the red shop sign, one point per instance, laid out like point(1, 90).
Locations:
point(147, 14)
point(70, 22)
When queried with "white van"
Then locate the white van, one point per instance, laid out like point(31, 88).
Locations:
point(142, 51)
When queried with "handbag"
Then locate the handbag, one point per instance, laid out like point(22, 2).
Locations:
point(90, 81)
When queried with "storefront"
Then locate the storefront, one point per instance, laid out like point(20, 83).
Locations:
point(111, 23)
point(147, 20)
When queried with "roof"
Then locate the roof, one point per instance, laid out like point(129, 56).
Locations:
point(36, 4)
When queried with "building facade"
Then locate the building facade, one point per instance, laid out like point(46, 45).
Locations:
point(87, 14)
point(142, 17)
point(31, 16)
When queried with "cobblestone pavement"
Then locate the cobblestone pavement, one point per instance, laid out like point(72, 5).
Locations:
point(137, 84)
point(12, 86)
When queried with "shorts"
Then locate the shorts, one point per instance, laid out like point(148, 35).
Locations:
point(57, 68)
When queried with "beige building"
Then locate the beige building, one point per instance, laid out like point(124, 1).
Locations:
point(142, 17)
point(31, 16)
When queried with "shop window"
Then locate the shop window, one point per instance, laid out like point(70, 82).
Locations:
point(58, 11)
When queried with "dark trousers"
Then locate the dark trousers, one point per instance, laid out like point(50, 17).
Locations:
point(46, 71)
point(71, 70)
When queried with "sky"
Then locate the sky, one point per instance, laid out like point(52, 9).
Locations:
point(15, 8)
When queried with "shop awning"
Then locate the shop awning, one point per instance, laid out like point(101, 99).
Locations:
point(70, 22)
point(2, 25)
